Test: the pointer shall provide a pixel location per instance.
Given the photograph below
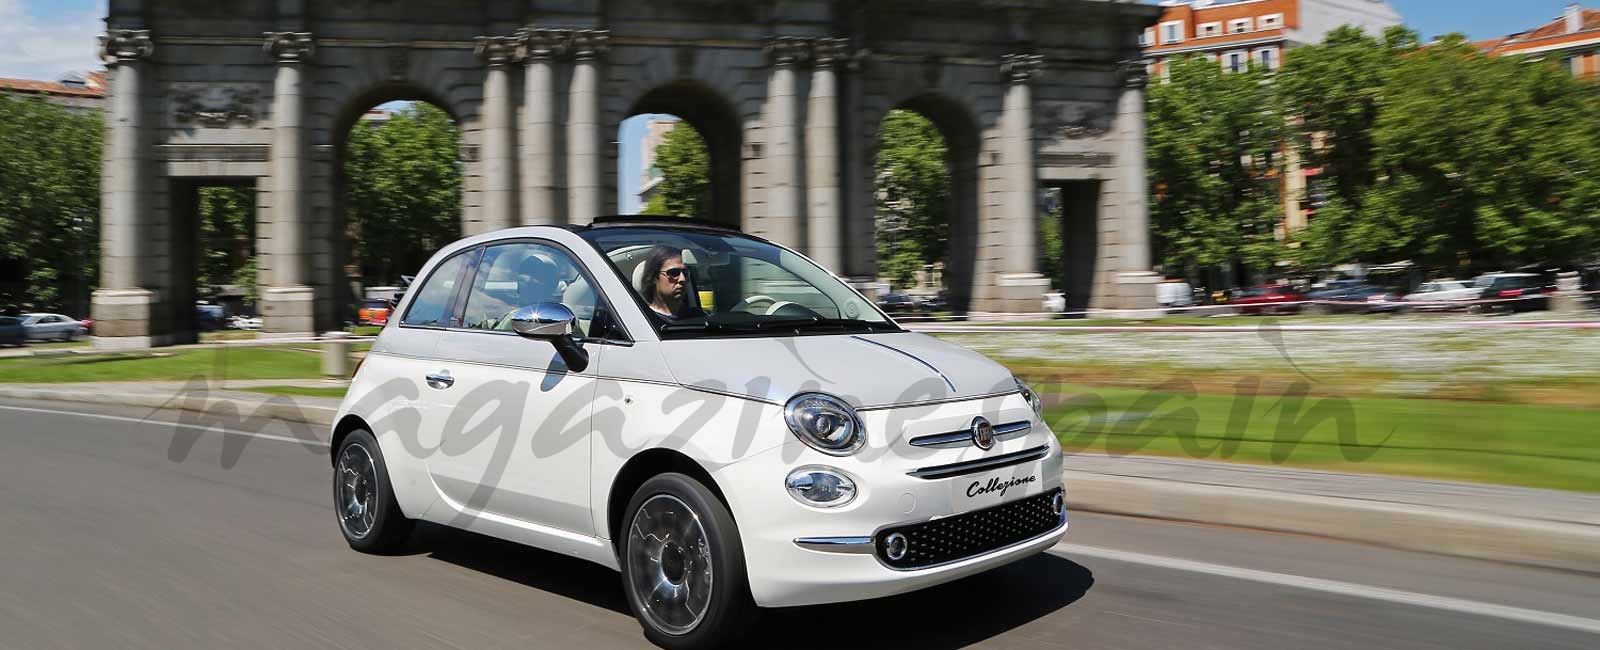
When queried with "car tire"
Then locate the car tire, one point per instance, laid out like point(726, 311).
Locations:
point(363, 498)
point(657, 572)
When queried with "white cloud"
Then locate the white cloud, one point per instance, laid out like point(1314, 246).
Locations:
point(35, 46)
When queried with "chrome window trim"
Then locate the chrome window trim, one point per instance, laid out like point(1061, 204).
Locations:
point(963, 437)
point(964, 468)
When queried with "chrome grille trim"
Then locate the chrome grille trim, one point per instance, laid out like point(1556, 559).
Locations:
point(981, 464)
point(963, 437)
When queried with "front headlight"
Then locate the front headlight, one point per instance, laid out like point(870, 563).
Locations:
point(1032, 397)
point(825, 422)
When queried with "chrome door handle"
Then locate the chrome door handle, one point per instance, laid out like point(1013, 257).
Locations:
point(440, 380)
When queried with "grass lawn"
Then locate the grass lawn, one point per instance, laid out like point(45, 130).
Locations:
point(336, 392)
point(365, 330)
point(235, 363)
point(1514, 444)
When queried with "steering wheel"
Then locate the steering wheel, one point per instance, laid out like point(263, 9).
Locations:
point(748, 304)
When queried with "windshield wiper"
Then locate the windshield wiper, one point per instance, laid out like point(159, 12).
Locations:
point(805, 323)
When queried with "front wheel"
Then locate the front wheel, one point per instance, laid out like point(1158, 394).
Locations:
point(363, 498)
point(683, 565)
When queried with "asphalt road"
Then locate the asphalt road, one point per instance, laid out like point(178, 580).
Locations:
point(108, 542)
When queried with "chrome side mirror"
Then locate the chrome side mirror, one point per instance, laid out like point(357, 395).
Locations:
point(553, 322)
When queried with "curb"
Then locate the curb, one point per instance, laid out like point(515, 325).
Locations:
point(1441, 531)
point(1437, 530)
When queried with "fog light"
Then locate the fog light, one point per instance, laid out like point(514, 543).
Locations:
point(895, 546)
point(1058, 504)
point(821, 487)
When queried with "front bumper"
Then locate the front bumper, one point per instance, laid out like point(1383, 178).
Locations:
point(801, 555)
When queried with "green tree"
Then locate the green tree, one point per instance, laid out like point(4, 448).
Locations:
point(685, 167)
point(1480, 161)
point(49, 203)
point(403, 190)
point(227, 234)
point(913, 195)
point(1213, 138)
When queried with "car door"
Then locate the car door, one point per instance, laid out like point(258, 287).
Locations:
point(516, 440)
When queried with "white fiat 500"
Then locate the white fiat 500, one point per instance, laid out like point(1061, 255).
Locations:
point(717, 417)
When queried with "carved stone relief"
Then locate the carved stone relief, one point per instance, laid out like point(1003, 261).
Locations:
point(216, 106)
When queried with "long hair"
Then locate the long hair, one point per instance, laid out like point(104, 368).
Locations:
point(652, 269)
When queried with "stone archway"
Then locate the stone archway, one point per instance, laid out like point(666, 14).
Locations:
point(258, 91)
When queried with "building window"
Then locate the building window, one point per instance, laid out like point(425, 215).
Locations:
point(1570, 64)
point(1270, 21)
point(1172, 32)
point(1147, 38)
point(1210, 29)
point(1235, 61)
point(1238, 25)
point(1268, 58)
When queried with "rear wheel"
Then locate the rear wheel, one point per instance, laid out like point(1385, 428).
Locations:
point(683, 565)
point(363, 498)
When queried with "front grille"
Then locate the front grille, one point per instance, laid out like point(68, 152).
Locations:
point(952, 539)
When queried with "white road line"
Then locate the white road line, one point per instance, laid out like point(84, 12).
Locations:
point(1458, 605)
point(215, 429)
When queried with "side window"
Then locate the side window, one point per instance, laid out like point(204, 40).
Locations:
point(523, 274)
point(431, 307)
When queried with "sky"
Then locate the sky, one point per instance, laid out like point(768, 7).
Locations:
point(43, 39)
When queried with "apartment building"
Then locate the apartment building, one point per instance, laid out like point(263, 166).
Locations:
point(1573, 38)
point(76, 91)
point(1257, 33)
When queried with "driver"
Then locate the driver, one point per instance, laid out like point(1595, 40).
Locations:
point(666, 285)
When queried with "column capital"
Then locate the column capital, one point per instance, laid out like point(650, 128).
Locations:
point(496, 50)
point(118, 45)
point(827, 52)
point(1021, 68)
point(541, 44)
point(1135, 73)
point(290, 47)
point(785, 51)
point(588, 44)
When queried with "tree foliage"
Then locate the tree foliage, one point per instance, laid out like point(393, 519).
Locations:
point(1212, 142)
point(227, 235)
point(913, 196)
point(685, 188)
point(402, 191)
point(49, 204)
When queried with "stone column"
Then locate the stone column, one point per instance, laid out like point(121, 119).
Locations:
point(539, 201)
point(584, 186)
point(1021, 287)
point(785, 209)
point(824, 203)
point(123, 305)
point(497, 162)
point(287, 303)
point(1136, 282)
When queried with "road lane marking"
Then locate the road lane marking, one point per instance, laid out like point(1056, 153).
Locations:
point(208, 429)
point(1446, 603)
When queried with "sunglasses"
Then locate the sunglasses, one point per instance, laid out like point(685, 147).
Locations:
point(673, 274)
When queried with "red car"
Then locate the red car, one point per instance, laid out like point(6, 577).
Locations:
point(1268, 299)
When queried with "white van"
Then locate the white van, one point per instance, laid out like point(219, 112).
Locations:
point(714, 416)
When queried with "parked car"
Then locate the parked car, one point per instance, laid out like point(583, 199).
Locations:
point(1364, 299)
point(208, 317)
point(1175, 295)
point(1333, 289)
point(373, 312)
point(729, 454)
point(250, 323)
point(937, 302)
point(1513, 292)
point(1441, 295)
point(898, 303)
point(12, 332)
point(52, 327)
point(1268, 299)
point(1055, 302)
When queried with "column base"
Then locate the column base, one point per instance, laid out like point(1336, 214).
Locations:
point(1136, 295)
point(125, 319)
point(1013, 293)
point(288, 312)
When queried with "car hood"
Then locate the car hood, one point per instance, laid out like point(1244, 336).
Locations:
point(865, 370)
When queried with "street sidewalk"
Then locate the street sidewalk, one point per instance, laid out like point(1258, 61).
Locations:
point(1548, 528)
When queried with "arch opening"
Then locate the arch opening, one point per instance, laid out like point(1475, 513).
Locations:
point(680, 155)
point(926, 201)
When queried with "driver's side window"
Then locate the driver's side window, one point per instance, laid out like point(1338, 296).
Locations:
point(523, 274)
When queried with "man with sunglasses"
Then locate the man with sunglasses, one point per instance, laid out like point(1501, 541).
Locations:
point(666, 285)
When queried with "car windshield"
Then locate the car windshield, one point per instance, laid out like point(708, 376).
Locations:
point(703, 283)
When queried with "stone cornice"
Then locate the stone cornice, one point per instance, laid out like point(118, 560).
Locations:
point(826, 52)
point(290, 47)
point(126, 45)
